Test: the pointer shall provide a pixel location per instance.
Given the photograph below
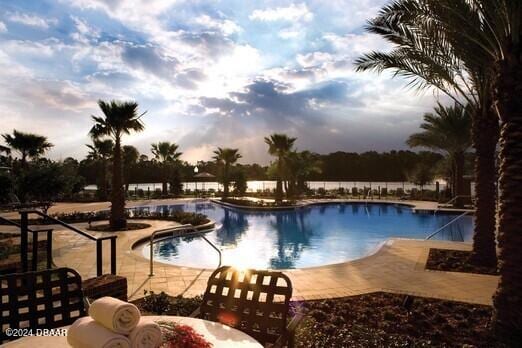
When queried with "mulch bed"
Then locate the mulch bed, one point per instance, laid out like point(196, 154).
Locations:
point(131, 226)
point(455, 261)
point(382, 320)
point(370, 320)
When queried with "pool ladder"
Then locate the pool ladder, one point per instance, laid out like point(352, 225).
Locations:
point(175, 233)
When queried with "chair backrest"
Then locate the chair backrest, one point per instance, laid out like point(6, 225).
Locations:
point(40, 300)
point(253, 301)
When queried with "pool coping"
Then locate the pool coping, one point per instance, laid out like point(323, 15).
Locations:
point(398, 266)
point(415, 205)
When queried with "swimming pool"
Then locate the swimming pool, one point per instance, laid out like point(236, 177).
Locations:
point(315, 235)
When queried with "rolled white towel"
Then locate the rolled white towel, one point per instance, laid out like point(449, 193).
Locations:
point(87, 333)
point(146, 335)
point(116, 315)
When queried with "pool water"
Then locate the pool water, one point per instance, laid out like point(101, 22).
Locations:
point(315, 235)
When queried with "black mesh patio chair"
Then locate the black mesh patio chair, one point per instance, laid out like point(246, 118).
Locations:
point(253, 301)
point(40, 300)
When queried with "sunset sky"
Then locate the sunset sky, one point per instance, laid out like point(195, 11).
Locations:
point(209, 73)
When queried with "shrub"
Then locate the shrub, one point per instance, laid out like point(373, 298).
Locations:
point(259, 203)
point(164, 304)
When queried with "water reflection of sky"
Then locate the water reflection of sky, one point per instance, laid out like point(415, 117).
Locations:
point(307, 237)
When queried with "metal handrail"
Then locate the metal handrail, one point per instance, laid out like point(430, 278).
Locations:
point(173, 230)
point(49, 243)
point(446, 225)
point(24, 228)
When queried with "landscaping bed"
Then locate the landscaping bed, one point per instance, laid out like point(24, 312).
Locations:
point(163, 304)
point(131, 226)
point(455, 261)
point(142, 214)
point(383, 320)
point(370, 320)
point(258, 203)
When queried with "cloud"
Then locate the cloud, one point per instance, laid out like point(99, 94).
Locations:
point(356, 44)
point(291, 13)
point(189, 78)
point(226, 26)
point(150, 59)
point(3, 28)
point(31, 20)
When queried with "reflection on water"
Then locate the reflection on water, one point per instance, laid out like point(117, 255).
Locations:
point(306, 237)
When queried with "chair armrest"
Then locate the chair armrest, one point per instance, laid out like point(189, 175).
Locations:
point(195, 314)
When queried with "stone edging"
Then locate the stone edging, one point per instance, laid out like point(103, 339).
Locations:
point(304, 204)
point(207, 227)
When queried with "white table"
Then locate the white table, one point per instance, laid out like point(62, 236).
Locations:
point(221, 336)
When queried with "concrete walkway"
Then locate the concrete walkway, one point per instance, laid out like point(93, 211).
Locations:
point(398, 266)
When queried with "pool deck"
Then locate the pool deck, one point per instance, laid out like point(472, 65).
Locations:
point(398, 266)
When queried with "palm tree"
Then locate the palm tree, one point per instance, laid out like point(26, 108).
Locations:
point(27, 144)
point(449, 131)
point(280, 145)
point(119, 118)
point(481, 31)
point(300, 166)
point(101, 152)
point(130, 158)
point(226, 157)
point(430, 56)
point(166, 153)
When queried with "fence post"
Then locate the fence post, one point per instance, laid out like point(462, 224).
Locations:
point(23, 239)
point(99, 258)
point(113, 255)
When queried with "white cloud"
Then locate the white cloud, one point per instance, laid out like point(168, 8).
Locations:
point(32, 20)
point(356, 44)
point(226, 26)
point(289, 33)
point(3, 28)
point(313, 58)
point(291, 13)
point(84, 32)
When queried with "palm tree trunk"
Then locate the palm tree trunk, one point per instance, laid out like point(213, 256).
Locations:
point(117, 219)
point(279, 184)
point(164, 188)
point(508, 298)
point(226, 183)
point(459, 179)
point(485, 137)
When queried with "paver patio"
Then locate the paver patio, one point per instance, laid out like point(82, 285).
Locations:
point(398, 266)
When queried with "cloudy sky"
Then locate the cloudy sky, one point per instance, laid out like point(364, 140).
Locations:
point(209, 73)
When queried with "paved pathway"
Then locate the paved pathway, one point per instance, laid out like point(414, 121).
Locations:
point(398, 266)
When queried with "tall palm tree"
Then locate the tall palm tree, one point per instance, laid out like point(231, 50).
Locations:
point(166, 153)
point(227, 157)
point(300, 166)
point(429, 56)
point(119, 118)
point(27, 144)
point(280, 145)
point(447, 130)
point(130, 158)
point(491, 30)
point(101, 152)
